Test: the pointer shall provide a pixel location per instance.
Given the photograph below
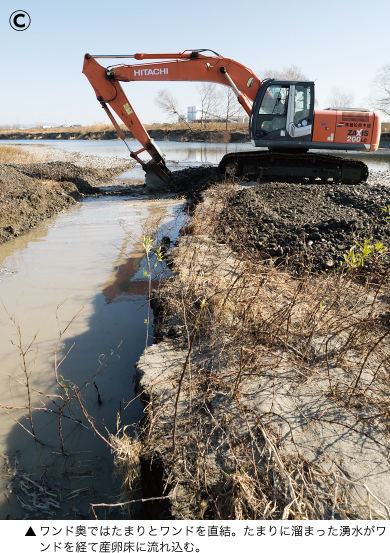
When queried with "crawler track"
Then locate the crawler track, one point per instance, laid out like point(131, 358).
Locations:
point(310, 165)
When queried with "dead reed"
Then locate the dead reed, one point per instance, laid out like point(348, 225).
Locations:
point(281, 380)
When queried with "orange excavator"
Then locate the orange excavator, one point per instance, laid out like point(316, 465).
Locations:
point(282, 118)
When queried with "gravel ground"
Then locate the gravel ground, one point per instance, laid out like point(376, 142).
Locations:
point(302, 223)
point(308, 223)
point(48, 153)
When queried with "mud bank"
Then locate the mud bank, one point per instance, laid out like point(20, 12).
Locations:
point(34, 191)
point(176, 135)
point(266, 393)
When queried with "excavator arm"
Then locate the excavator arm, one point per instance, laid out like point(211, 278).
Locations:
point(282, 118)
point(185, 66)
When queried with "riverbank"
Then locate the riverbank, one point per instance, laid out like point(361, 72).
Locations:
point(266, 392)
point(235, 133)
point(107, 132)
point(36, 183)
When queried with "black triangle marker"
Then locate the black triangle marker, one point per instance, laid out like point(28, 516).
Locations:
point(30, 532)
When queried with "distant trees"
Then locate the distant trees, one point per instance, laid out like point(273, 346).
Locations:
point(217, 103)
point(381, 97)
point(214, 103)
point(169, 105)
point(230, 109)
point(290, 73)
point(209, 101)
point(340, 98)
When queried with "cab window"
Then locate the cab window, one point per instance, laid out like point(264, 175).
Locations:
point(302, 105)
point(275, 101)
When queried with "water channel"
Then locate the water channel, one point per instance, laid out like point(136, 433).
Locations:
point(81, 271)
point(84, 267)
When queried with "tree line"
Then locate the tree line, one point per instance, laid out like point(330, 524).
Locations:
point(213, 104)
point(223, 105)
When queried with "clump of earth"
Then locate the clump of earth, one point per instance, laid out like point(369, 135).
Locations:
point(193, 181)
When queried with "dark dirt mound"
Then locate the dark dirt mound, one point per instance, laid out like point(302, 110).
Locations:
point(193, 181)
point(299, 223)
point(31, 193)
point(86, 179)
point(303, 224)
point(25, 201)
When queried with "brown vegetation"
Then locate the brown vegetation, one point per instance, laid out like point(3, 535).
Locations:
point(270, 380)
point(104, 127)
point(13, 154)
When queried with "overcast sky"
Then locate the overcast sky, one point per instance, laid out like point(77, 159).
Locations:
point(335, 43)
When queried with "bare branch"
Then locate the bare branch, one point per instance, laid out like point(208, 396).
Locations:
point(209, 101)
point(381, 98)
point(291, 73)
point(167, 103)
point(340, 98)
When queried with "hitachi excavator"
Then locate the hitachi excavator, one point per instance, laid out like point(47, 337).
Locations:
point(282, 118)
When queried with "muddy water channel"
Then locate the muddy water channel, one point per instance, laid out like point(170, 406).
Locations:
point(76, 285)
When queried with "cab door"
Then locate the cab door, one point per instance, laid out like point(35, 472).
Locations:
point(271, 117)
point(300, 112)
point(282, 114)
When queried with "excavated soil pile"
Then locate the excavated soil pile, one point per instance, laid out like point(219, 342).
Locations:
point(86, 179)
point(308, 224)
point(30, 193)
point(193, 181)
point(299, 223)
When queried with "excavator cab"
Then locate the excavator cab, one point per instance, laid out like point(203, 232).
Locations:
point(283, 114)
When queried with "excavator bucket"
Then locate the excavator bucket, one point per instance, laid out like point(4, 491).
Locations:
point(156, 176)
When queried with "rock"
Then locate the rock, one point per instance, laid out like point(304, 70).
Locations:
point(327, 263)
point(315, 236)
point(175, 331)
point(277, 251)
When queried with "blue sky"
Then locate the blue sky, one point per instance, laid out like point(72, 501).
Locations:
point(336, 43)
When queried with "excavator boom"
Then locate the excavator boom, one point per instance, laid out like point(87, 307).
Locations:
point(185, 66)
point(282, 117)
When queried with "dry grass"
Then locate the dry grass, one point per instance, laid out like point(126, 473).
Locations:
point(127, 463)
point(253, 330)
point(97, 127)
point(196, 126)
point(15, 154)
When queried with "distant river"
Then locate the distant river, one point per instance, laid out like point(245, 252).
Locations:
point(182, 154)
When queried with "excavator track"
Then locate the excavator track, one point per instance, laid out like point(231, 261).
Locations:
point(275, 164)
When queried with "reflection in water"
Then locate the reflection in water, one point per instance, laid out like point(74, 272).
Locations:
point(127, 279)
point(83, 259)
point(120, 284)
